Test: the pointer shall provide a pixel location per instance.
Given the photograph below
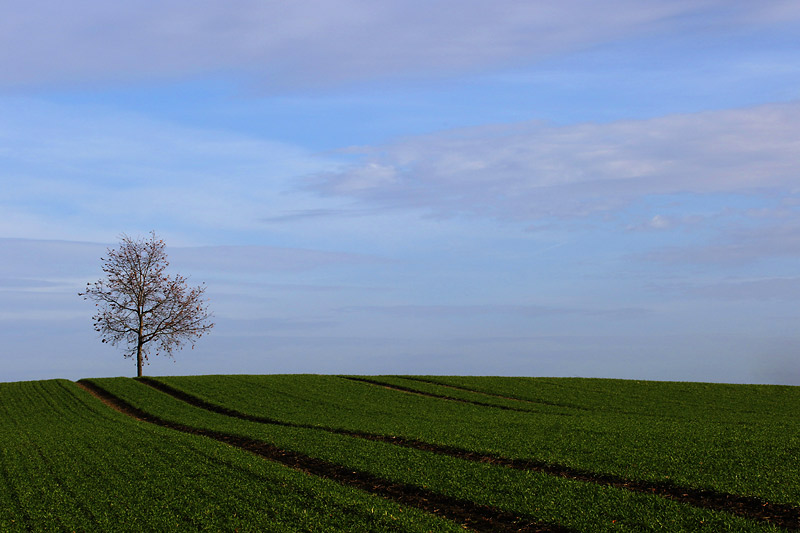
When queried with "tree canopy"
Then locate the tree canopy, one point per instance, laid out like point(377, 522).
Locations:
point(142, 307)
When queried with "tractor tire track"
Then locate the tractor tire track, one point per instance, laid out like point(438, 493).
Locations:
point(781, 515)
point(432, 395)
point(490, 395)
point(476, 517)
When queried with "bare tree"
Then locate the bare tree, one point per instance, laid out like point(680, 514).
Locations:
point(141, 306)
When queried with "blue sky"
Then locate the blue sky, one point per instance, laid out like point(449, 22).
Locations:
point(507, 188)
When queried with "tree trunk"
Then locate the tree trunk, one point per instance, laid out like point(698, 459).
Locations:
point(139, 344)
point(139, 359)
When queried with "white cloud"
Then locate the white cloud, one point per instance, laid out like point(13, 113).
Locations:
point(319, 42)
point(534, 170)
point(660, 222)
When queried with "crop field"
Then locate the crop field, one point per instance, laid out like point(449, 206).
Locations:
point(397, 453)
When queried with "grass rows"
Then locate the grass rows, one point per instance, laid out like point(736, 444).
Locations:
point(577, 505)
point(68, 463)
point(60, 448)
point(733, 439)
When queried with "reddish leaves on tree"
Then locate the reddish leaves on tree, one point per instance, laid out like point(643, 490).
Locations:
point(141, 306)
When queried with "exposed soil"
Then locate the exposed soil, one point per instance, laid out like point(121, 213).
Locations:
point(476, 517)
point(749, 507)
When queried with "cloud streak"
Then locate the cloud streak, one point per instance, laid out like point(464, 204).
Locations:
point(736, 246)
point(483, 310)
point(322, 42)
point(533, 170)
point(767, 289)
point(76, 172)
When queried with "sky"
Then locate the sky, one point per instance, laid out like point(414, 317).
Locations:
point(462, 187)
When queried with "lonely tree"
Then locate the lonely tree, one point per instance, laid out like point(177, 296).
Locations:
point(140, 306)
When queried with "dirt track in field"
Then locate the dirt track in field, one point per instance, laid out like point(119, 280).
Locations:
point(487, 394)
point(476, 517)
point(780, 515)
point(749, 507)
point(461, 400)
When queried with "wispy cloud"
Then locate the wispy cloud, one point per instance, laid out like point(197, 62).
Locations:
point(39, 264)
point(86, 170)
point(477, 310)
point(46, 261)
point(533, 170)
point(322, 42)
point(41, 279)
point(324, 213)
point(766, 289)
point(262, 259)
point(736, 246)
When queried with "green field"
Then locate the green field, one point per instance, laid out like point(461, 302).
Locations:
point(398, 453)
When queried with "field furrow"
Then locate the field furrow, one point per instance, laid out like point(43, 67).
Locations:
point(754, 508)
point(430, 387)
point(399, 453)
point(388, 384)
point(550, 499)
point(474, 516)
point(68, 463)
point(737, 440)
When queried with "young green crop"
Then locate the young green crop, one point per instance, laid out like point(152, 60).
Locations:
point(698, 435)
point(579, 505)
point(427, 387)
point(716, 401)
point(68, 463)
